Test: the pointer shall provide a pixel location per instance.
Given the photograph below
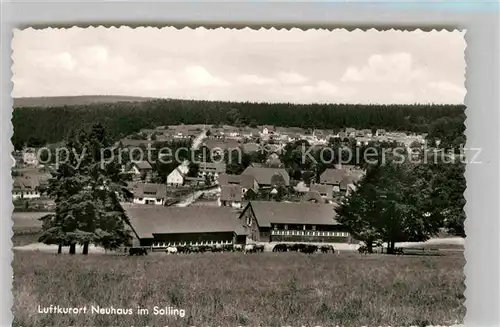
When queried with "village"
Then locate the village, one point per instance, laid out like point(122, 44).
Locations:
point(205, 204)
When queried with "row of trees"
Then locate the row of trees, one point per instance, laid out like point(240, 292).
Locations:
point(37, 126)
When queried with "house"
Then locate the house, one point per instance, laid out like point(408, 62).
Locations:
point(267, 129)
point(177, 176)
point(30, 158)
point(27, 186)
point(149, 193)
point(141, 170)
point(292, 222)
point(273, 160)
point(247, 182)
point(250, 147)
point(340, 178)
point(380, 132)
point(364, 133)
point(211, 168)
point(267, 176)
point(161, 226)
point(324, 191)
point(231, 196)
point(350, 132)
point(332, 178)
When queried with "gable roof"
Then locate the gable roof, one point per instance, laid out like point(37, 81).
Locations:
point(149, 220)
point(231, 193)
point(142, 165)
point(267, 213)
point(264, 175)
point(142, 190)
point(245, 181)
point(332, 176)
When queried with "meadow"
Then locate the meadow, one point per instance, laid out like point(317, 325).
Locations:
point(233, 289)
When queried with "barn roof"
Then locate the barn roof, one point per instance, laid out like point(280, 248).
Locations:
point(148, 220)
point(245, 181)
point(264, 175)
point(267, 212)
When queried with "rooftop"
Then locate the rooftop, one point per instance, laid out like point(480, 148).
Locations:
point(267, 212)
point(148, 220)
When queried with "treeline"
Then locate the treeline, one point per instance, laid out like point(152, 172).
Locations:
point(36, 126)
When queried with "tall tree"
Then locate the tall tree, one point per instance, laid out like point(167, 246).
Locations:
point(393, 203)
point(85, 189)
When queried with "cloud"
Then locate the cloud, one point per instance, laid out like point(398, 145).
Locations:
point(322, 87)
point(388, 68)
point(251, 79)
point(291, 78)
point(200, 76)
point(241, 65)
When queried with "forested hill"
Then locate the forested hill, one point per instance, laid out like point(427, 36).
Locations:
point(33, 126)
point(73, 100)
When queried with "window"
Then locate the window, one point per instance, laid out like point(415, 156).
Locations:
point(286, 227)
point(313, 227)
point(275, 226)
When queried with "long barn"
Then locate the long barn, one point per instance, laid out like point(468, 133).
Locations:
point(293, 222)
point(160, 226)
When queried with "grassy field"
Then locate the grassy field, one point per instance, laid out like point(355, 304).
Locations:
point(232, 289)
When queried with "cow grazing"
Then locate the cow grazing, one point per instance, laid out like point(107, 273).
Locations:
point(171, 250)
point(280, 248)
point(137, 251)
point(309, 249)
point(327, 248)
point(217, 248)
point(238, 247)
point(249, 248)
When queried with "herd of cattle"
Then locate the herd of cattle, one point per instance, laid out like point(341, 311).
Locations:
point(248, 248)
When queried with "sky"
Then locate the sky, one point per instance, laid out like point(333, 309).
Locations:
point(312, 66)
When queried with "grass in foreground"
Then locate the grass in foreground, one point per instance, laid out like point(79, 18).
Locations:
point(231, 289)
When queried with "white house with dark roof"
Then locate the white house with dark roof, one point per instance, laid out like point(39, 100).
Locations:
point(177, 176)
point(149, 193)
point(211, 169)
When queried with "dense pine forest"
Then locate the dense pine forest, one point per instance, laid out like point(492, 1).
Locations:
point(36, 126)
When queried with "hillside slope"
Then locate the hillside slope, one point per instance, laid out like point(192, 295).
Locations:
point(74, 100)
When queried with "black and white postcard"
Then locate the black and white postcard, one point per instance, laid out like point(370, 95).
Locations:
point(238, 177)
